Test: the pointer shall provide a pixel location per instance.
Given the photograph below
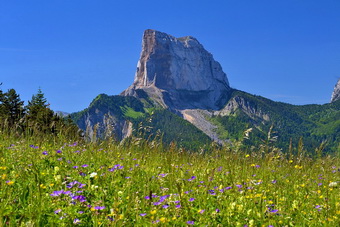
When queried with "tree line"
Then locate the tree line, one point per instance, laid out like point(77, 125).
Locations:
point(34, 118)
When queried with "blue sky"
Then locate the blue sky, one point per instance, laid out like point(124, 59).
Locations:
point(74, 50)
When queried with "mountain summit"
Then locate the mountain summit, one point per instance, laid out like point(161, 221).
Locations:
point(179, 73)
point(336, 92)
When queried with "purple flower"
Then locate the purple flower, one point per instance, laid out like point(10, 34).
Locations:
point(156, 203)
point(165, 206)
point(192, 178)
point(191, 199)
point(71, 184)
point(73, 145)
point(142, 214)
point(57, 193)
point(164, 197)
point(45, 153)
point(85, 165)
point(217, 210)
point(274, 181)
point(75, 167)
point(76, 221)
point(80, 198)
point(178, 206)
point(273, 210)
point(201, 211)
point(110, 218)
point(147, 197)
point(211, 192)
point(57, 211)
point(34, 147)
point(58, 151)
point(190, 222)
point(99, 207)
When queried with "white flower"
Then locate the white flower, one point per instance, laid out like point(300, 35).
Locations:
point(333, 184)
point(94, 174)
point(94, 187)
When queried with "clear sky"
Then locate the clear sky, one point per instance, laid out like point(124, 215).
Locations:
point(76, 49)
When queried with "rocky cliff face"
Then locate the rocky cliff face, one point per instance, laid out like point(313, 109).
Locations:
point(336, 92)
point(179, 73)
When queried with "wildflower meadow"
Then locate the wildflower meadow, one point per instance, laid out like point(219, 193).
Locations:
point(55, 182)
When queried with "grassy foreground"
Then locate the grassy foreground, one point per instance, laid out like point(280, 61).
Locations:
point(64, 184)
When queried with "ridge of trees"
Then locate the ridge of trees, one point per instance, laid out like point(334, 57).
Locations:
point(34, 118)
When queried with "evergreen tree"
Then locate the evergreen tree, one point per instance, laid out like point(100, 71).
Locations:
point(12, 108)
point(39, 115)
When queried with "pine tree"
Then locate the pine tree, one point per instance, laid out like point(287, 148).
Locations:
point(11, 108)
point(39, 115)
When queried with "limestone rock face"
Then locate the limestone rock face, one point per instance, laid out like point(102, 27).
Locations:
point(336, 92)
point(180, 73)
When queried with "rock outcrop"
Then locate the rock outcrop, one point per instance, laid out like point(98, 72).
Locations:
point(336, 92)
point(178, 73)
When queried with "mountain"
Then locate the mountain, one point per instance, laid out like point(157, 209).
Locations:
point(180, 93)
point(179, 73)
point(336, 92)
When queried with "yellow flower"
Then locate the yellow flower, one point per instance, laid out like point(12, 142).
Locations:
point(153, 211)
point(163, 219)
point(9, 182)
point(247, 155)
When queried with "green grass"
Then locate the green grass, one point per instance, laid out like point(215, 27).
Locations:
point(131, 113)
point(141, 185)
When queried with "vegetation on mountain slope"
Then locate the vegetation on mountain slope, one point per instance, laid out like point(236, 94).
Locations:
point(313, 123)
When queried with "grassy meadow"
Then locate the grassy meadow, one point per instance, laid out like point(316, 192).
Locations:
point(55, 182)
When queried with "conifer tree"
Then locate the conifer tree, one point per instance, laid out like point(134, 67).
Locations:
point(39, 115)
point(12, 108)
